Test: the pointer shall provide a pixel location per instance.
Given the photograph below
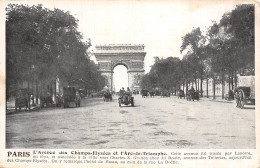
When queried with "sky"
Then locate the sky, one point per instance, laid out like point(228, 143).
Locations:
point(159, 25)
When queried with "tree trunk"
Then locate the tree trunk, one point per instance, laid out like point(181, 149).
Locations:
point(235, 78)
point(229, 81)
point(175, 90)
point(223, 85)
point(196, 84)
point(55, 91)
point(186, 87)
point(37, 92)
point(201, 89)
point(207, 80)
point(214, 88)
point(232, 80)
point(28, 86)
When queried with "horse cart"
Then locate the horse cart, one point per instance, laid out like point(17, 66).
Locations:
point(193, 95)
point(22, 99)
point(245, 92)
point(107, 96)
point(126, 99)
point(71, 95)
point(144, 93)
point(181, 94)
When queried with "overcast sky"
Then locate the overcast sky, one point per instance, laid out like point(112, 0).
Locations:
point(156, 24)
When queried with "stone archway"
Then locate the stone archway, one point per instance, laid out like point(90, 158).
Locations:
point(130, 55)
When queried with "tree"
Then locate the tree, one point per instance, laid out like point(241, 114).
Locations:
point(193, 42)
point(233, 42)
point(42, 44)
point(164, 74)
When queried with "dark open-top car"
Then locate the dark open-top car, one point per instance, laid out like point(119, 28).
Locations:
point(126, 99)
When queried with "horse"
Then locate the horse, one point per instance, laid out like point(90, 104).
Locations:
point(151, 93)
point(107, 96)
point(165, 93)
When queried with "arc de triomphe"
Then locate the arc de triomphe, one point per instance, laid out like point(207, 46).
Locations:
point(130, 55)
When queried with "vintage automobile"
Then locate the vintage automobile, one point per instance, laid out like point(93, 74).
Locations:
point(22, 99)
point(126, 99)
point(245, 92)
point(71, 95)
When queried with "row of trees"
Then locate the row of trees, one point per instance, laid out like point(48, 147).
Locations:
point(225, 49)
point(43, 44)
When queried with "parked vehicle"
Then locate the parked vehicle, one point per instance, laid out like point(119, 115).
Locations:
point(22, 99)
point(71, 95)
point(245, 92)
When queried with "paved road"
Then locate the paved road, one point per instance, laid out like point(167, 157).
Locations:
point(152, 123)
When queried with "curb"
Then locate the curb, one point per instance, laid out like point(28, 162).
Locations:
point(12, 110)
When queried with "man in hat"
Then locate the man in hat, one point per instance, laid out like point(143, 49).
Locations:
point(122, 92)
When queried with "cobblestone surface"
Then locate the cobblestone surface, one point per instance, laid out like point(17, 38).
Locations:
point(152, 123)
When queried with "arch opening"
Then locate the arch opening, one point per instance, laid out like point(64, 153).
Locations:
point(120, 77)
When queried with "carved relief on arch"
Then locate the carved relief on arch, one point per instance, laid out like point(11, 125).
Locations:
point(114, 64)
point(104, 65)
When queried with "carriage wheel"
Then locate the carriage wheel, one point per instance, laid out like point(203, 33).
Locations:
point(119, 102)
point(132, 102)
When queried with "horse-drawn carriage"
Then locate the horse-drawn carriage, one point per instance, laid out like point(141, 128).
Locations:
point(165, 93)
point(126, 98)
point(107, 96)
point(245, 92)
point(46, 100)
point(144, 93)
point(70, 94)
point(193, 95)
point(22, 99)
point(151, 93)
point(181, 94)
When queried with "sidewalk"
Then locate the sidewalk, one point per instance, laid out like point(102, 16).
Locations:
point(10, 106)
point(218, 99)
